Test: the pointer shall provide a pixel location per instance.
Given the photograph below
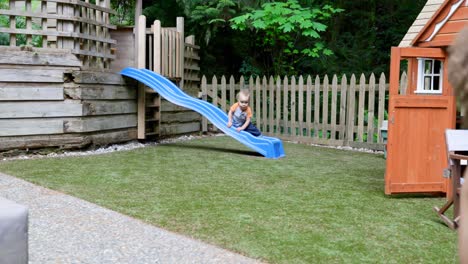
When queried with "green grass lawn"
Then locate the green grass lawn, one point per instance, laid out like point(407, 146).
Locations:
point(317, 205)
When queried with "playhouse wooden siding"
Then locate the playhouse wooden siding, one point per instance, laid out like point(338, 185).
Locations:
point(450, 24)
point(417, 120)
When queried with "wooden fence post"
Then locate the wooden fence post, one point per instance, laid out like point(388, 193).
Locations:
point(309, 106)
point(370, 107)
point(204, 98)
point(333, 107)
point(344, 92)
point(317, 126)
point(325, 108)
point(300, 106)
point(362, 94)
point(350, 122)
point(286, 122)
point(278, 106)
point(381, 113)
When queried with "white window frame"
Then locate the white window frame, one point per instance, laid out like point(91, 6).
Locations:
point(422, 75)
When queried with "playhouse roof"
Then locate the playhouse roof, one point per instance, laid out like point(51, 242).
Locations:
point(437, 23)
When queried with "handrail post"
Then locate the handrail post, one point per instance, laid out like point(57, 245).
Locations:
point(141, 64)
point(157, 46)
point(180, 30)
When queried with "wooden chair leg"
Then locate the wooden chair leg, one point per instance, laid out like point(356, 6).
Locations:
point(444, 208)
point(451, 224)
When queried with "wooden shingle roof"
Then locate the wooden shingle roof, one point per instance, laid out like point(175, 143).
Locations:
point(424, 16)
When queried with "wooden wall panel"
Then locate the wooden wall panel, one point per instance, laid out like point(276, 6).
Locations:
point(19, 127)
point(23, 92)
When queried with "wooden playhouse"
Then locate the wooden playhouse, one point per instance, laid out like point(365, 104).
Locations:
point(60, 85)
point(421, 111)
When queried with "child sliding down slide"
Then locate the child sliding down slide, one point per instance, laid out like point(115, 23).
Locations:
point(240, 114)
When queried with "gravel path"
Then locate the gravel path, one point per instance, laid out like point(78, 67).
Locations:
point(65, 229)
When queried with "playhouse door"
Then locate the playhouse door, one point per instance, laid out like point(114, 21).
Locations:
point(417, 123)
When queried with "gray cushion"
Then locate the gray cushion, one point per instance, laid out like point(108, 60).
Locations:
point(13, 232)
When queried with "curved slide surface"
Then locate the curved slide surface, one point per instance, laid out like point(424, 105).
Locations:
point(267, 146)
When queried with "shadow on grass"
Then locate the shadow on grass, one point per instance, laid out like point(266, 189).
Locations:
point(217, 149)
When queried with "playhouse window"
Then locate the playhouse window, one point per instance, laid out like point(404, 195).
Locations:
point(429, 76)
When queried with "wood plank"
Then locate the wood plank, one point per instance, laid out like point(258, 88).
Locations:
point(453, 26)
point(100, 92)
point(36, 57)
point(271, 101)
point(140, 45)
point(31, 75)
point(20, 127)
point(214, 95)
point(105, 55)
point(45, 15)
point(370, 113)
point(325, 107)
point(40, 109)
point(99, 123)
point(62, 34)
point(309, 105)
point(351, 110)
point(20, 92)
point(293, 106)
point(223, 94)
point(93, 77)
point(264, 104)
point(232, 91)
point(286, 130)
point(108, 107)
point(252, 98)
point(334, 105)
point(417, 187)
point(300, 105)
point(175, 129)
point(258, 97)
point(67, 141)
point(204, 98)
point(381, 110)
point(422, 102)
point(85, 4)
point(317, 107)
point(362, 97)
point(343, 109)
point(179, 117)
point(278, 106)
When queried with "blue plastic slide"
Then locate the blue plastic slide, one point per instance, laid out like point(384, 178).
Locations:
point(267, 146)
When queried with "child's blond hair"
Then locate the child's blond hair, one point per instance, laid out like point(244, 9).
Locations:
point(245, 93)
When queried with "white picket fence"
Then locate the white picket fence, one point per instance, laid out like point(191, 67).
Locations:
point(343, 112)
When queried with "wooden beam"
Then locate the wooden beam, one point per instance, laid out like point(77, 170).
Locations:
point(436, 53)
point(180, 63)
point(141, 64)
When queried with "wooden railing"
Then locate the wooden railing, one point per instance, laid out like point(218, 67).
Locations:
point(165, 49)
point(336, 111)
point(167, 52)
point(78, 26)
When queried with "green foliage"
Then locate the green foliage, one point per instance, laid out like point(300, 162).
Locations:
point(212, 14)
point(288, 31)
point(124, 9)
